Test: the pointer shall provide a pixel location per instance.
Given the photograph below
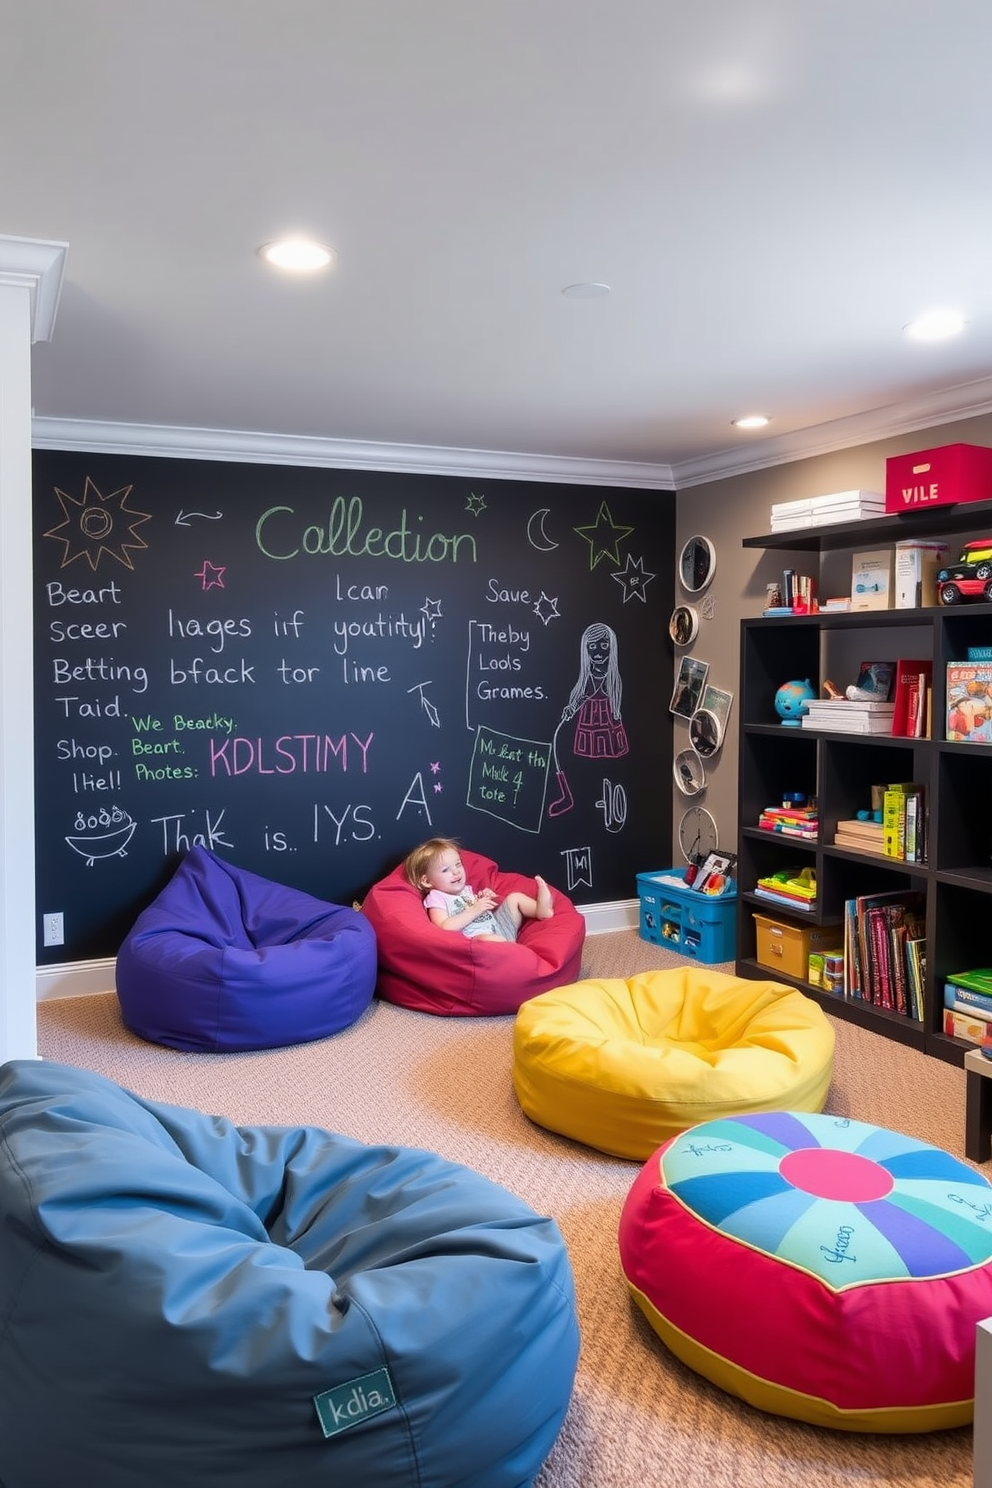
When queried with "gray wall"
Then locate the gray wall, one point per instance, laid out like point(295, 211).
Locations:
point(726, 511)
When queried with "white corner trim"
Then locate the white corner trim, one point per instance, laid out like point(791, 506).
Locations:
point(620, 914)
point(75, 978)
point(286, 449)
point(967, 400)
point(38, 266)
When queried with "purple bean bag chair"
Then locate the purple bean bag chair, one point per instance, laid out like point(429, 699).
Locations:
point(224, 960)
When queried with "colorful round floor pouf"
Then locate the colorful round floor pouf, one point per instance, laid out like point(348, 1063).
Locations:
point(817, 1267)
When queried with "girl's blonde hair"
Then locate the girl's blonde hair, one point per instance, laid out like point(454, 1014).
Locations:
point(418, 862)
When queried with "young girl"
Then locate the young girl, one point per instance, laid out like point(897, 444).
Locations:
point(435, 867)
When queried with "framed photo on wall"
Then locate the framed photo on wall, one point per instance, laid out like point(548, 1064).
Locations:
point(689, 686)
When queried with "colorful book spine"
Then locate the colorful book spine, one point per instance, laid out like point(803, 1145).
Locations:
point(955, 995)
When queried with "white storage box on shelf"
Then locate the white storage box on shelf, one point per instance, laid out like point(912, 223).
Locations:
point(836, 506)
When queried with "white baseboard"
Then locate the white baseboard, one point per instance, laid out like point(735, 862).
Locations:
point(80, 978)
point(619, 914)
point(75, 979)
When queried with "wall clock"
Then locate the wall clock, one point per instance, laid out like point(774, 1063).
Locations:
point(697, 563)
point(697, 834)
point(690, 777)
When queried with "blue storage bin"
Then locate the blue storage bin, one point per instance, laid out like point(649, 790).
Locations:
point(703, 926)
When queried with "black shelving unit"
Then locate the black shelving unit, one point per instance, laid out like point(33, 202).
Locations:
point(839, 770)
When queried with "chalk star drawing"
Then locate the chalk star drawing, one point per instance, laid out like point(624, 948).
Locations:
point(475, 503)
point(426, 704)
point(211, 576)
point(546, 608)
point(438, 787)
point(634, 579)
point(435, 766)
point(96, 525)
point(603, 536)
point(431, 609)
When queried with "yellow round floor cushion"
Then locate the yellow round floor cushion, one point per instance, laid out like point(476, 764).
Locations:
point(623, 1065)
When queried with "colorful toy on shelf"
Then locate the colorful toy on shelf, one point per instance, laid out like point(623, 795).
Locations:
point(792, 701)
point(970, 577)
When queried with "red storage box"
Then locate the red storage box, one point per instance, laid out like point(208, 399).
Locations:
point(938, 477)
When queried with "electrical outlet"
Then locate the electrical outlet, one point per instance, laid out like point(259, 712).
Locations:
point(54, 929)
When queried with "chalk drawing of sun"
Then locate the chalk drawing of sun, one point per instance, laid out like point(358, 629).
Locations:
point(96, 525)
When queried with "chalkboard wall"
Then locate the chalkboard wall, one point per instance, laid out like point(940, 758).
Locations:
point(313, 670)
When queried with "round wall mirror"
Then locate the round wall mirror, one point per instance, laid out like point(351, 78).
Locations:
point(690, 777)
point(705, 732)
point(697, 563)
point(683, 627)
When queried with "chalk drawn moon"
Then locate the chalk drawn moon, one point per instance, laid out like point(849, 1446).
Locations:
point(536, 524)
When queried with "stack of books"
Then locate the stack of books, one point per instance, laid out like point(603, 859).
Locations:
point(968, 1005)
point(791, 821)
point(837, 506)
point(841, 715)
point(885, 950)
point(911, 698)
point(904, 822)
point(795, 887)
point(860, 836)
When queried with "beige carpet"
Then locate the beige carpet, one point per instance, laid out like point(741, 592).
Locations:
point(637, 1415)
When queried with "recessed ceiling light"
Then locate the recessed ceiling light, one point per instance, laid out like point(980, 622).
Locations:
point(936, 325)
point(298, 254)
point(751, 421)
point(587, 291)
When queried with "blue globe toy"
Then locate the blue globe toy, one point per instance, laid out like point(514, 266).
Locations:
point(792, 701)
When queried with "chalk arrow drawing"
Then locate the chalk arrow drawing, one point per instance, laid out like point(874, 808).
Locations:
point(182, 520)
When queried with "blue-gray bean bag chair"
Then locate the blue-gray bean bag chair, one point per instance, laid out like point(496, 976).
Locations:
point(188, 1302)
point(225, 960)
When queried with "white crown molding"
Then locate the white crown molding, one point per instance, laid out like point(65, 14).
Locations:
point(284, 449)
point(967, 400)
point(39, 267)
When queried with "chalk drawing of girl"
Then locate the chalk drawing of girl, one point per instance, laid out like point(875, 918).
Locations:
point(594, 703)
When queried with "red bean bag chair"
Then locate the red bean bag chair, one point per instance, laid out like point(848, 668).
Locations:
point(440, 971)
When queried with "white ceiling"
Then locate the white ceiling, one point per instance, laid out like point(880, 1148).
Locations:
point(772, 189)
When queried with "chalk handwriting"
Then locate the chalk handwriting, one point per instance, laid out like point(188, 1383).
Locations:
point(221, 630)
point(199, 671)
point(292, 626)
point(508, 778)
point(277, 536)
point(289, 754)
point(58, 595)
point(359, 829)
point(383, 627)
point(415, 797)
point(177, 837)
point(98, 669)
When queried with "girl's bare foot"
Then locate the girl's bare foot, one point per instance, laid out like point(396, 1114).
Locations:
point(545, 908)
